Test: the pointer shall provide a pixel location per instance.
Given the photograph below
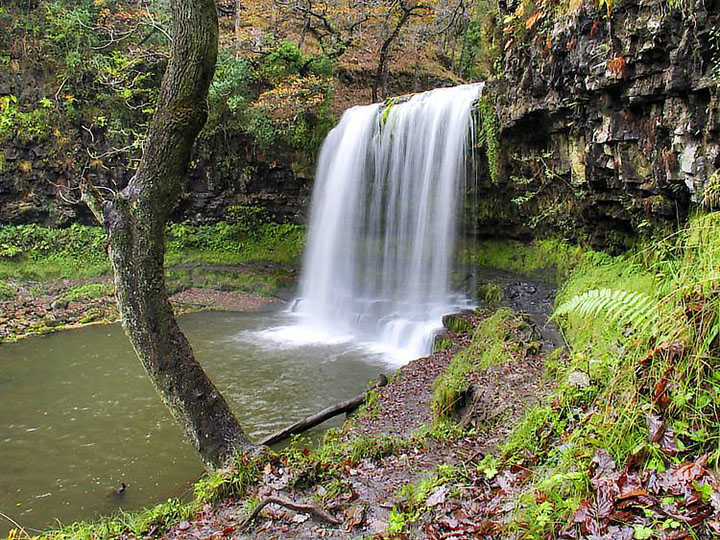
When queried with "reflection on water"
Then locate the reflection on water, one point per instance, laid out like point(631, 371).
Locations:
point(78, 415)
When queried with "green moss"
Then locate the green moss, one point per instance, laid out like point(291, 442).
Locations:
point(456, 323)
point(548, 256)
point(441, 344)
point(489, 135)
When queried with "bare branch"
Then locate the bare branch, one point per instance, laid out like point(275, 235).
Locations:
point(306, 508)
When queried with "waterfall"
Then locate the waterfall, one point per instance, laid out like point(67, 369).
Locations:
point(388, 190)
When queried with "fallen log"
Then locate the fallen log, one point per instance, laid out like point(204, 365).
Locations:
point(318, 418)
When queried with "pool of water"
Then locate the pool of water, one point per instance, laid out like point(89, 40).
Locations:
point(78, 415)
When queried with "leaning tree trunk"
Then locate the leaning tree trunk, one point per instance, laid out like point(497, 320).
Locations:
point(135, 221)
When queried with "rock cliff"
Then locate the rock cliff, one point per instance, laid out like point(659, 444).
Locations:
point(607, 125)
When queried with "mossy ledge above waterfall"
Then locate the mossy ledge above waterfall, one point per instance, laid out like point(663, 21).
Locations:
point(500, 433)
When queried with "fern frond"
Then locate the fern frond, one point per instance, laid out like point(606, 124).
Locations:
point(636, 309)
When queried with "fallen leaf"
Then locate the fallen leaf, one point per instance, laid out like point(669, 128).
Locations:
point(533, 19)
point(656, 427)
point(437, 496)
point(355, 517)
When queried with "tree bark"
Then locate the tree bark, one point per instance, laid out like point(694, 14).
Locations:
point(135, 221)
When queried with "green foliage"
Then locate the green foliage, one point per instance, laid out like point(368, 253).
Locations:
point(441, 344)
point(35, 252)
point(441, 429)
point(282, 97)
point(234, 243)
point(635, 309)
point(490, 293)
point(374, 448)
point(711, 193)
point(134, 524)
point(369, 407)
point(482, 54)
point(489, 135)
point(34, 125)
point(104, 84)
point(715, 47)
point(605, 309)
point(457, 323)
point(608, 6)
point(68, 26)
point(415, 497)
point(233, 481)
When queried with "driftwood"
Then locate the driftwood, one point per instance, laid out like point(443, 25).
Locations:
point(307, 508)
point(318, 418)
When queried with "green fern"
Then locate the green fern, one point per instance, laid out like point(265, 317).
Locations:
point(636, 309)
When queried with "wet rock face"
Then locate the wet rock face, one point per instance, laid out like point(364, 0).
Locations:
point(608, 125)
point(219, 179)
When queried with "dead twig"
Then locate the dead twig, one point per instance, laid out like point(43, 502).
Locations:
point(287, 503)
point(16, 524)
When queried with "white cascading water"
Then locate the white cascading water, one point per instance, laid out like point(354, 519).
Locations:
point(384, 217)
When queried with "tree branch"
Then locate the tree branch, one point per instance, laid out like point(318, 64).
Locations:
point(287, 503)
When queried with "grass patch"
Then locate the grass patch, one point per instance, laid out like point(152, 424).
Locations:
point(32, 252)
point(415, 497)
point(490, 293)
point(233, 244)
point(231, 482)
